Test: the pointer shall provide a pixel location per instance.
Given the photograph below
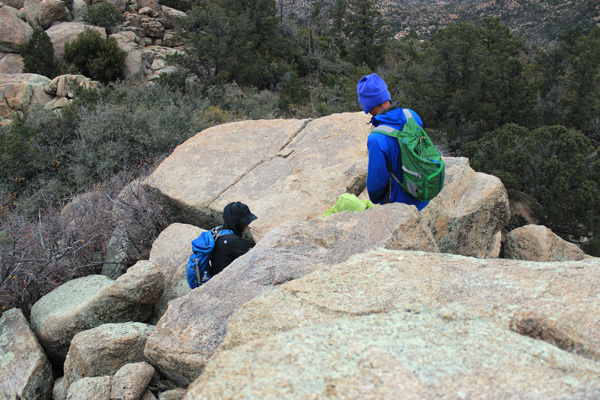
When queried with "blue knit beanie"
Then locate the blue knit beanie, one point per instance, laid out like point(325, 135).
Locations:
point(372, 91)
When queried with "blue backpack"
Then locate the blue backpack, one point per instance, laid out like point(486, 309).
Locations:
point(198, 266)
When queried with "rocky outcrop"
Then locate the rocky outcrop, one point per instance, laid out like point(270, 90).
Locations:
point(142, 64)
point(11, 63)
point(170, 253)
point(538, 243)
point(20, 91)
point(469, 212)
point(395, 280)
point(104, 350)
point(88, 302)
point(288, 170)
point(194, 325)
point(64, 89)
point(25, 369)
point(409, 354)
point(14, 32)
point(413, 319)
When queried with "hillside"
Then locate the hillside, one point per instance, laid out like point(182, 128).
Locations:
point(543, 20)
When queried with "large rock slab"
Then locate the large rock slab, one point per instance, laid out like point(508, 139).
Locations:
point(25, 369)
point(328, 158)
point(467, 215)
point(14, 32)
point(18, 91)
point(203, 167)
point(88, 302)
point(104, 350)
point(65, 32)
point(11, 63)
point(194, 325)
point(405, 353)
point(565, 292)
point(284, 170)
point(538, 243)
point(170, 253)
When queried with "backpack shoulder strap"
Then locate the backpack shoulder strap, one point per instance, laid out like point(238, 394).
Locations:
point(386, 130)
point(407, 114)
point(219, 231)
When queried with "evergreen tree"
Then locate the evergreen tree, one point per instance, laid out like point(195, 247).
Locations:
point(38, 55)
point(235, 41)
point(368, 33)
point(94, 57)
point(568, 80)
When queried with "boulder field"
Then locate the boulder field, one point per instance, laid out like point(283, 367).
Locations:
point(384, 303)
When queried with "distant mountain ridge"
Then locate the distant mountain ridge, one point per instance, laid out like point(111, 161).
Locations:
point(542, 20)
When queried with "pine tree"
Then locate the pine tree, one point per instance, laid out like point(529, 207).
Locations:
point(368, 33)
point(38, 55)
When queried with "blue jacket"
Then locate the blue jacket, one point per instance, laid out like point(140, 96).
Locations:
point(383, 151)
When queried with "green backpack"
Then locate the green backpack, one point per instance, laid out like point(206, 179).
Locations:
point(423, 169)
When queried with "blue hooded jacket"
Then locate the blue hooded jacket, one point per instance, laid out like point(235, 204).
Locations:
point(383, 151)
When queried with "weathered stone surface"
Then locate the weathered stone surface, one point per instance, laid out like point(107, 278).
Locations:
point(170, 253)
point(148, 395)
point(65, 32)
point(88, 302)
point(97, 388)
point(194, 325)
point(131, 381)
point(79, 10)
point(59, 392)
point(407, 354)
point(468, 213)
point(565, 291)
point(173, 18)
point(14, 32)
point(187, 176)
point(51, 11)
point(11, 63)
point(540, 327)
point(495, 247)
point(18, 91)
point(538, 243)
point(16, 4)
point(174, 394)
point(285, 170)
point(105, 349)
point(152, 4)
point(25, 369)
point(66, 85)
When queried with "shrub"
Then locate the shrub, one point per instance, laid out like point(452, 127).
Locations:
point(94, 57)
point(61, 245)
point(38, 55)
point(106, 15)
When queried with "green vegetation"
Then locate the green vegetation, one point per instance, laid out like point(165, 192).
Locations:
point(38, 55)
point(92, 56)
point(106, 15)
point(526, 113)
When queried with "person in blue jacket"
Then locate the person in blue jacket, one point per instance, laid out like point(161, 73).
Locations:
point(384, 151)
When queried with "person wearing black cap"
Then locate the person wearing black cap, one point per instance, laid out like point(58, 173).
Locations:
point(228, 247)
point(384, 151)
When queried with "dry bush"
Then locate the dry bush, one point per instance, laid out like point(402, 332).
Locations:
point(37, 256)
